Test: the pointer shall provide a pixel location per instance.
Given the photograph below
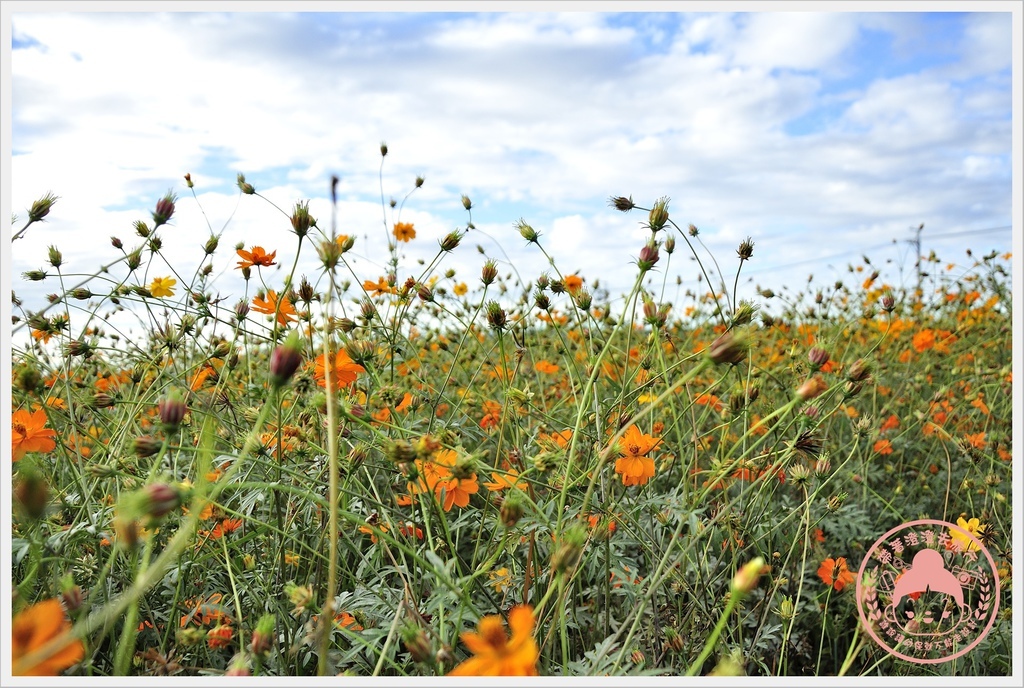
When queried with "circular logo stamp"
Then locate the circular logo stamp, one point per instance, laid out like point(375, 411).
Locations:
point(928, 591)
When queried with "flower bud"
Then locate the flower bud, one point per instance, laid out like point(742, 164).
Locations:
point(859, 371)
point(466, 203)
point(263, 635)
point(301, 219)
point(818, 357)
point(568, 552)
point(418, 644)
point(658, 215)
point(489, 272)
point(55, 257)
point(670, 244)
point(244, 186)
point(172, 410)
point(383, 148)
point(160, 499)
point(451, 241)
point(285, 360)
point(496, 317)
point(188, 180)
point(746, 578)
point(31, 490)
point(512, 509)
point(648, 256)
point(729, 347)
point(164, 210)
point(102, 400)
point(146, 445)
point(34, 276)
point(71, 595)
point(527, 232)
point(211, 245)
point(811, 388)
point(41, 208)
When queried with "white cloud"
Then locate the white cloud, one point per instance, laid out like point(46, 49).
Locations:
point(534, 115)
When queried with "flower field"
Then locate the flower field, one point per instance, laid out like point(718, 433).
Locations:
point(427, 473)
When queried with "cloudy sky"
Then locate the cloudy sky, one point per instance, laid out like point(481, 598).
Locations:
point(822, 136)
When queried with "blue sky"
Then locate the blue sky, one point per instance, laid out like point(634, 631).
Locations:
point(822, 136)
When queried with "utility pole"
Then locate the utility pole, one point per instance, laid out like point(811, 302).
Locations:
point(916, 241)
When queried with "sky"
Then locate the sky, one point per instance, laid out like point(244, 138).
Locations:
point(821, 136)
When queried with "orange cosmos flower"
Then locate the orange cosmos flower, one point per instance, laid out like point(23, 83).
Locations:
point(34, 627)
point(494, 653)
point(923, 340)
point(219, 636)
point(503, 482)
point(835, 572)
point(378, 288)
point(404, 231)
point(883, 447)
point(255, 256)
point(556, 439)
point(269, 306)
point(344, 371)
point(454, 491)
point(29, 434)
point(635, 467)
point(573, 283)
point(545, 367)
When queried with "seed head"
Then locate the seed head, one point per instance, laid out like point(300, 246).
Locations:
point(746, 249)
point(621, 203)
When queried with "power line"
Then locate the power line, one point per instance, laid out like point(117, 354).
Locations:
point(987, 230)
